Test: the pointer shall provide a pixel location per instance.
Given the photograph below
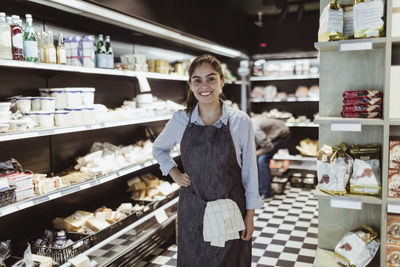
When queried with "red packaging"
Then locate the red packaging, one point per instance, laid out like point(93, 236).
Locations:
point(362, 108)
point(363, 93)
point(363, 100)
point(348, 114)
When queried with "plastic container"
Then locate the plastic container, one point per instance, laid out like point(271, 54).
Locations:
point(5, 106)
point(5, 116)
point(48, 104)
point(7, 196)
point(61, 118)
point(23, 193)
point(144, 99)
point(18, 125)
point(89, 115)
point(4, 127)
point(74, 97)
point(23, 104)
point(88, 96)
point(34, 115)
point(44, 92)
point(61, 97)
point(20, 180)
point(35, 101)
point(46, 119)
point(75, 116)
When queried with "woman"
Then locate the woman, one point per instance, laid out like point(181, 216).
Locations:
point(218, 156)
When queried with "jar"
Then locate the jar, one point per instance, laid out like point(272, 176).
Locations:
point(48, 104)
point(88, 96)
point(23, 104)
point(61, 118)
point(74, 97)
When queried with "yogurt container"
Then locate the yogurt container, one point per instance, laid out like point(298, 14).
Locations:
point(46, 119)
point(48, 104)
point(61, 118)
point(18, 125)
point(89, 115)
point(74, 97)
point(60, 95)
point(44, 92)
point(5, 116)
point(75, 116)
point(5, 106)
point(34, 115)
point(4, 127)
point(88, 96)
point(35, 103)
point(23, 104)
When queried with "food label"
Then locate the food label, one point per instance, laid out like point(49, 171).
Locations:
point(30, 49)
point(17, 41)
point(52, 55)
point(367, 15)
point(62, 56)
point(348, 23)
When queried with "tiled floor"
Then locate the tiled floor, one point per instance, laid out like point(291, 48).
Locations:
point(285, 233)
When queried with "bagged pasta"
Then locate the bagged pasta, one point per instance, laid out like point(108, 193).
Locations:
point(331, 23)
point(333, 169)
point(357, 248)
point(368, 18)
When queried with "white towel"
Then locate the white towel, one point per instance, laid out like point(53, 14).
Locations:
point(222, 222)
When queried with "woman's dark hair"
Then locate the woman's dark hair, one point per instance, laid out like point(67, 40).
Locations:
point(191, 100)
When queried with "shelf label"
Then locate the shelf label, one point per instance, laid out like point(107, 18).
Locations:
point(143, 82)
point(84, 186)
point(346, 126)
point(354, 46)
point(26, 205)
point(346, 203)
point(56, 195)
point(393, 207)
point(8, 209)
point(161, 215)
point(109, 178)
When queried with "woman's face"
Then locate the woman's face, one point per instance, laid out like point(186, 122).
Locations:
point(206, 84)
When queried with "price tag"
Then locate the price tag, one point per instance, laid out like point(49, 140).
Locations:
point(346, 126)
point(26, 205)
point(346, 203)
point(160, 215)
point(62, 130)
point(84, 186)
point(353, 46)
point(8, 209)
point(55, 195)
point(393, 207)
point(143, 82)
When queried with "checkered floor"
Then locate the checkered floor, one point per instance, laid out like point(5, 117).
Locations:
point(285, 235)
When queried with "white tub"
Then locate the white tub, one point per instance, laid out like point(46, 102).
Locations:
point(35, 103)
point(74, 97)
point(75, 116)
point(44, 92)
point(34, 115)
point(23, 193)
point(61, 118)
point(5, 106)
point(4, 127)
point(18, 125)
point(5, 116)
point(48, 104)
point(88, 96)
point(23, 104)
point(89, 115)
point(61, 97)
point(46, 119)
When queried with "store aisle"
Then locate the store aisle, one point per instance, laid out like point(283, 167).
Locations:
point(285, 233)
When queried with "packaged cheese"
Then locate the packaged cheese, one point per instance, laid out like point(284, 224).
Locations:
point(79, 218)
point(331, 23)
point(150, 180)
point(133, 181)
point(96, 224)
point(368, 18)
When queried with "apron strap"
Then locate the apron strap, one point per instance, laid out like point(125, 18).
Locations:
point(226, 127)
point(189, 121)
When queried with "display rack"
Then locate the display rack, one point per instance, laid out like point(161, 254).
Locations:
point(285, 77)
point(360, 64)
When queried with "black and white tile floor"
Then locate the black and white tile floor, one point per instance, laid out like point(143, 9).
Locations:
point(285, 233)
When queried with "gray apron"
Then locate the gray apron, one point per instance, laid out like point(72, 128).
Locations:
point(209, 158)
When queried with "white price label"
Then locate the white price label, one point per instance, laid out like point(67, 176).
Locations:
point(161, 215)
point(354, 46)
point(393, 207)
point(346, 126)
point(62, 130)
point(346, 203)
point(84, 186)
point(8, 209)
point(56, 195)
point(25, 205)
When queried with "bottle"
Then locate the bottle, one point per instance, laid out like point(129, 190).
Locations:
point(109, 53)
point(51, 50)
point(44, 48)
point(101, 58)
point(40, 47)
point(5, 38)
point(17, 38)
point(30, 41)
point(61, 53)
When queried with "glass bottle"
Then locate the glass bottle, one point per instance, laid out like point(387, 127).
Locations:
point(51, 50)
point(44, 48)
point(101, 58)
point(5, 38)
point(40, 47)
point(109, 53)
point(61, 53)
point(17, 38)
point(30, 42)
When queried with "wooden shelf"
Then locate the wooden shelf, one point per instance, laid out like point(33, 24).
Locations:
point(350, 45)
point(365, 198)
point(321, 120)
point(284, 77)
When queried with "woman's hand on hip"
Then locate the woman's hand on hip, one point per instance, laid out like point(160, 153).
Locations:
point(182, 179)
point(247, 233)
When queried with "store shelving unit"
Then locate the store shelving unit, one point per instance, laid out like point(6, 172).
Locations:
point(293, 99)
point(361, 64)
point(284, 77)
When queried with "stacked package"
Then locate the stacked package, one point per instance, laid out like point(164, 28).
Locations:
point(362, 104)
point(393, 240)
point(394, 168)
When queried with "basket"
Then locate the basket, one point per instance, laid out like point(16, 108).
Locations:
point(7, 196)
point(62, 255)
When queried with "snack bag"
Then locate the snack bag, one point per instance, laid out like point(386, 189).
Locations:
point(348, 22)
point(331, 23)
point(357, 248)
point(368, 20)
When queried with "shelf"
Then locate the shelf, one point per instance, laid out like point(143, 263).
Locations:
point(351, 45)
point(291, 157)
point(284, 77)
point(63, 130)
point(17, 206)
point(290, 99)
point(361, 121)
point(396, 40)
point(302, 124)
point(325, 258)
point(365, 198)
point(394, 122)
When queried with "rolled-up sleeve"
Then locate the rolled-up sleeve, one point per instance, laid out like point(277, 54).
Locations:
point(164, 144)
point(249, 167)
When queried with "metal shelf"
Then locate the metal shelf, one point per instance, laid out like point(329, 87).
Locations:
point(63, 130)
point(75, 188)
point(289, 99)
point(321, 120)
point(284, 77)
point(351, 45)
point(365, 198)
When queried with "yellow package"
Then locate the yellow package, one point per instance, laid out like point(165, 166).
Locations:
point(331, 23)
point(368, 19)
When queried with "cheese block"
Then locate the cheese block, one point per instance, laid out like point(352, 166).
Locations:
point(152, 192)
point(150, 180)
point(44, 261)
point(133, 181)
point(61, 224)
point(102, 215)
point(96, 224)
point(79, 218)
point(139, 186)
point(125, 208)
point(138, 195)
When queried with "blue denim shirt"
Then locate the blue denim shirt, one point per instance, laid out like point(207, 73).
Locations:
point(243, 138)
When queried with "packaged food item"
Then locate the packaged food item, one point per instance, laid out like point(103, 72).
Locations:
point(368, 18)
point(301, 91)
point(394, 183)
point(5, 251)
point(363, 100)
point(394, 153)
point(358, 247)
point(393, 229)
point(365, 152)
point(362, 108)
point(331, 23)
point(346, 114)
point(308, 147)
point(348, 22)
point(258, 92)
point(366, 177)
point(392, 255)
point(362, 93)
